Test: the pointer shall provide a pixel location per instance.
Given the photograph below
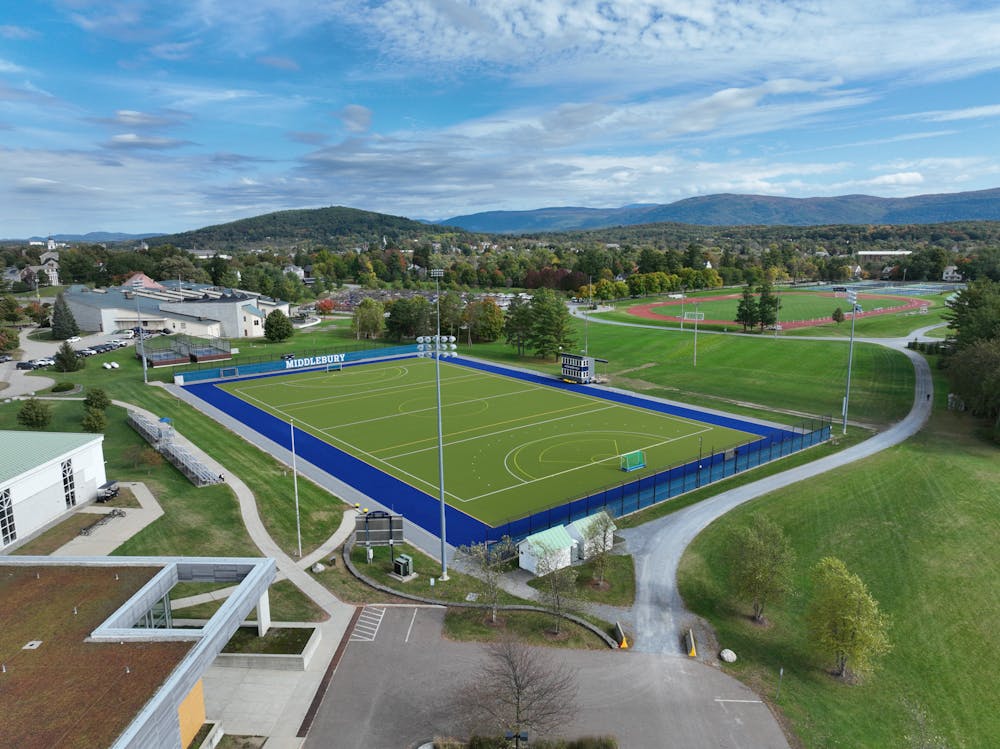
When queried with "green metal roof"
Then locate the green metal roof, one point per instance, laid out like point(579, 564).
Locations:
point(22, 451)
point(583, 524)
point(553, 538)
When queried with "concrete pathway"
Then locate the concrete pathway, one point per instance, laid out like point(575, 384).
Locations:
point(104, 539)
point(259, 702)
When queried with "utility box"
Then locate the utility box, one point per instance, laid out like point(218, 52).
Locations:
point(403, 565)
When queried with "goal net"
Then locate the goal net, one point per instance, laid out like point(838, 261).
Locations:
point(633, 461)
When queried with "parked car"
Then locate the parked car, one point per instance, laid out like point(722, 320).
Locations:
point(85, 352)
point(129, 334)
point(45, 362)
point(117, 343)
point(166, 331)
point(26, 365)
point(73, 339)
point(4, 358)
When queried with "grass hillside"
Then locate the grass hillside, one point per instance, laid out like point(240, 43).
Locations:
point(918, 524)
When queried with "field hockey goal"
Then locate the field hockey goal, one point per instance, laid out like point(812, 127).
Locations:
point(633, 461)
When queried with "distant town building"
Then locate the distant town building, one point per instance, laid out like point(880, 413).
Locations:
point(951, 273)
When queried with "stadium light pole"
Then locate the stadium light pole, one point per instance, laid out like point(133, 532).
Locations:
point(852, 297)
point(142, 346)
point(695, 363)
point(436, 274)
point(295, 483)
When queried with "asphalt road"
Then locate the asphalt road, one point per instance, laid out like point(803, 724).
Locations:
point(394, 688)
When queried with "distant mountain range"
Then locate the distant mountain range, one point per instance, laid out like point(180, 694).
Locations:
point(746, 210)
point(96, 237)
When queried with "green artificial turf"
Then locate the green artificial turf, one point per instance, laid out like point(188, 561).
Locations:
point(511, 447)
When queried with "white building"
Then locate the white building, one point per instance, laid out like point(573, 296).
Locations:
point(546, 551)
point(44, 475)
point(589, 544)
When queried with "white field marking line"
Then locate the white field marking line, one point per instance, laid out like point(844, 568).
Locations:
point(371, 459)
point(322, 379)
point(377, 392)
point(434, 408)
point(410, 628)
point(577, 468)
point(501, 431)
point(588, 397)
point(474, 429)
point(507, 457)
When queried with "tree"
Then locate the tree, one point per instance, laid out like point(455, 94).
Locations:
point(34, 414)
point(517, 689)
point(10, 311)
point(368, 319)
point(96, 398)
point(844, 619)
point(324, 306)
point(767, 306)
point(485, 320)
point(142, 455)
point(451, 312)
point(748, 312)
point(409, 318)
point(838, 315)
point(551, 324)
point(93, 420)
point(277, 327)
point(974, 313)
point(66, 359)
point(599, 540)
point(517, 327)
point(63, 323)
point(974, 374)
point(488, 563)
point(558, 585)
point(761, 559)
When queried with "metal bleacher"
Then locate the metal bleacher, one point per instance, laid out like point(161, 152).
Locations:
point(160, 435)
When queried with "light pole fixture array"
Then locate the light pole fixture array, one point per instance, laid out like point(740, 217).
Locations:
point(852, 297)
point(439, 347)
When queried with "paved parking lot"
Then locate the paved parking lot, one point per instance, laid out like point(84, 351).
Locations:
point(392, 689)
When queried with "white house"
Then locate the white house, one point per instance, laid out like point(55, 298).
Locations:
point(549, 550)
point(951, 273)
point(44, 475)
point(589, 544)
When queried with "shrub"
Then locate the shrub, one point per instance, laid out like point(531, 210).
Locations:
point(62, 387)
point(93, 420)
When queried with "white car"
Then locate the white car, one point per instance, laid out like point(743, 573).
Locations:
point(73, 339)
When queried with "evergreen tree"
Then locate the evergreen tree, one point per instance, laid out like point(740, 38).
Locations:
point(767, 306)
point(34, 414)
point(93, 420)
point(67, 360)
point(838, 315)
point(517, 327)
point(277, 327)
point(96, 398)
point(551, 326)
point(63, 323)
point(748, 312)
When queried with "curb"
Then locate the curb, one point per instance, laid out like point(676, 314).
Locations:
point(346, 554)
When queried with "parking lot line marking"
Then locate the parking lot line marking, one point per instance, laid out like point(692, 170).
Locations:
point(410, 628)
point(367, 626)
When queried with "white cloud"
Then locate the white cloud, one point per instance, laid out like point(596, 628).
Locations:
point(16, 33)
point(133, 140)
point(952, 115)
point(356, 118)
point(6, 66)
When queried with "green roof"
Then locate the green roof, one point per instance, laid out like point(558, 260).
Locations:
point(553, 538)
point(22, 451)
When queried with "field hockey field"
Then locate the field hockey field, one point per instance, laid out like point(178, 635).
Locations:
point(511, 447)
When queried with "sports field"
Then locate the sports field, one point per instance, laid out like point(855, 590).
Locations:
point(511, 447)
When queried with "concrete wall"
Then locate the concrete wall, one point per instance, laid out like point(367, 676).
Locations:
point(37, 496)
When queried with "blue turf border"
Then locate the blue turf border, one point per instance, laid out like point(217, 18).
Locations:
point(424, 510)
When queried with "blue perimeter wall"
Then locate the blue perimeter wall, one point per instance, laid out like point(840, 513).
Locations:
point(424, 510)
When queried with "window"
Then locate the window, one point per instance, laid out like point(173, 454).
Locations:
point(69, 483)
point(8, 533)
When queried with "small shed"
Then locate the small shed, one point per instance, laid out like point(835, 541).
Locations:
point(554, 545)
point(587, 543)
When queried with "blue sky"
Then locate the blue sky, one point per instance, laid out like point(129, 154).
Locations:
point(145, 115)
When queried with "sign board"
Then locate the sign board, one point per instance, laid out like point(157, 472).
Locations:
point(378, 528)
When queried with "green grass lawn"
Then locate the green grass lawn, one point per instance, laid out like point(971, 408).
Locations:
point(511, 447)
point(806, 377)
point(619, 582)
point(918, 524)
